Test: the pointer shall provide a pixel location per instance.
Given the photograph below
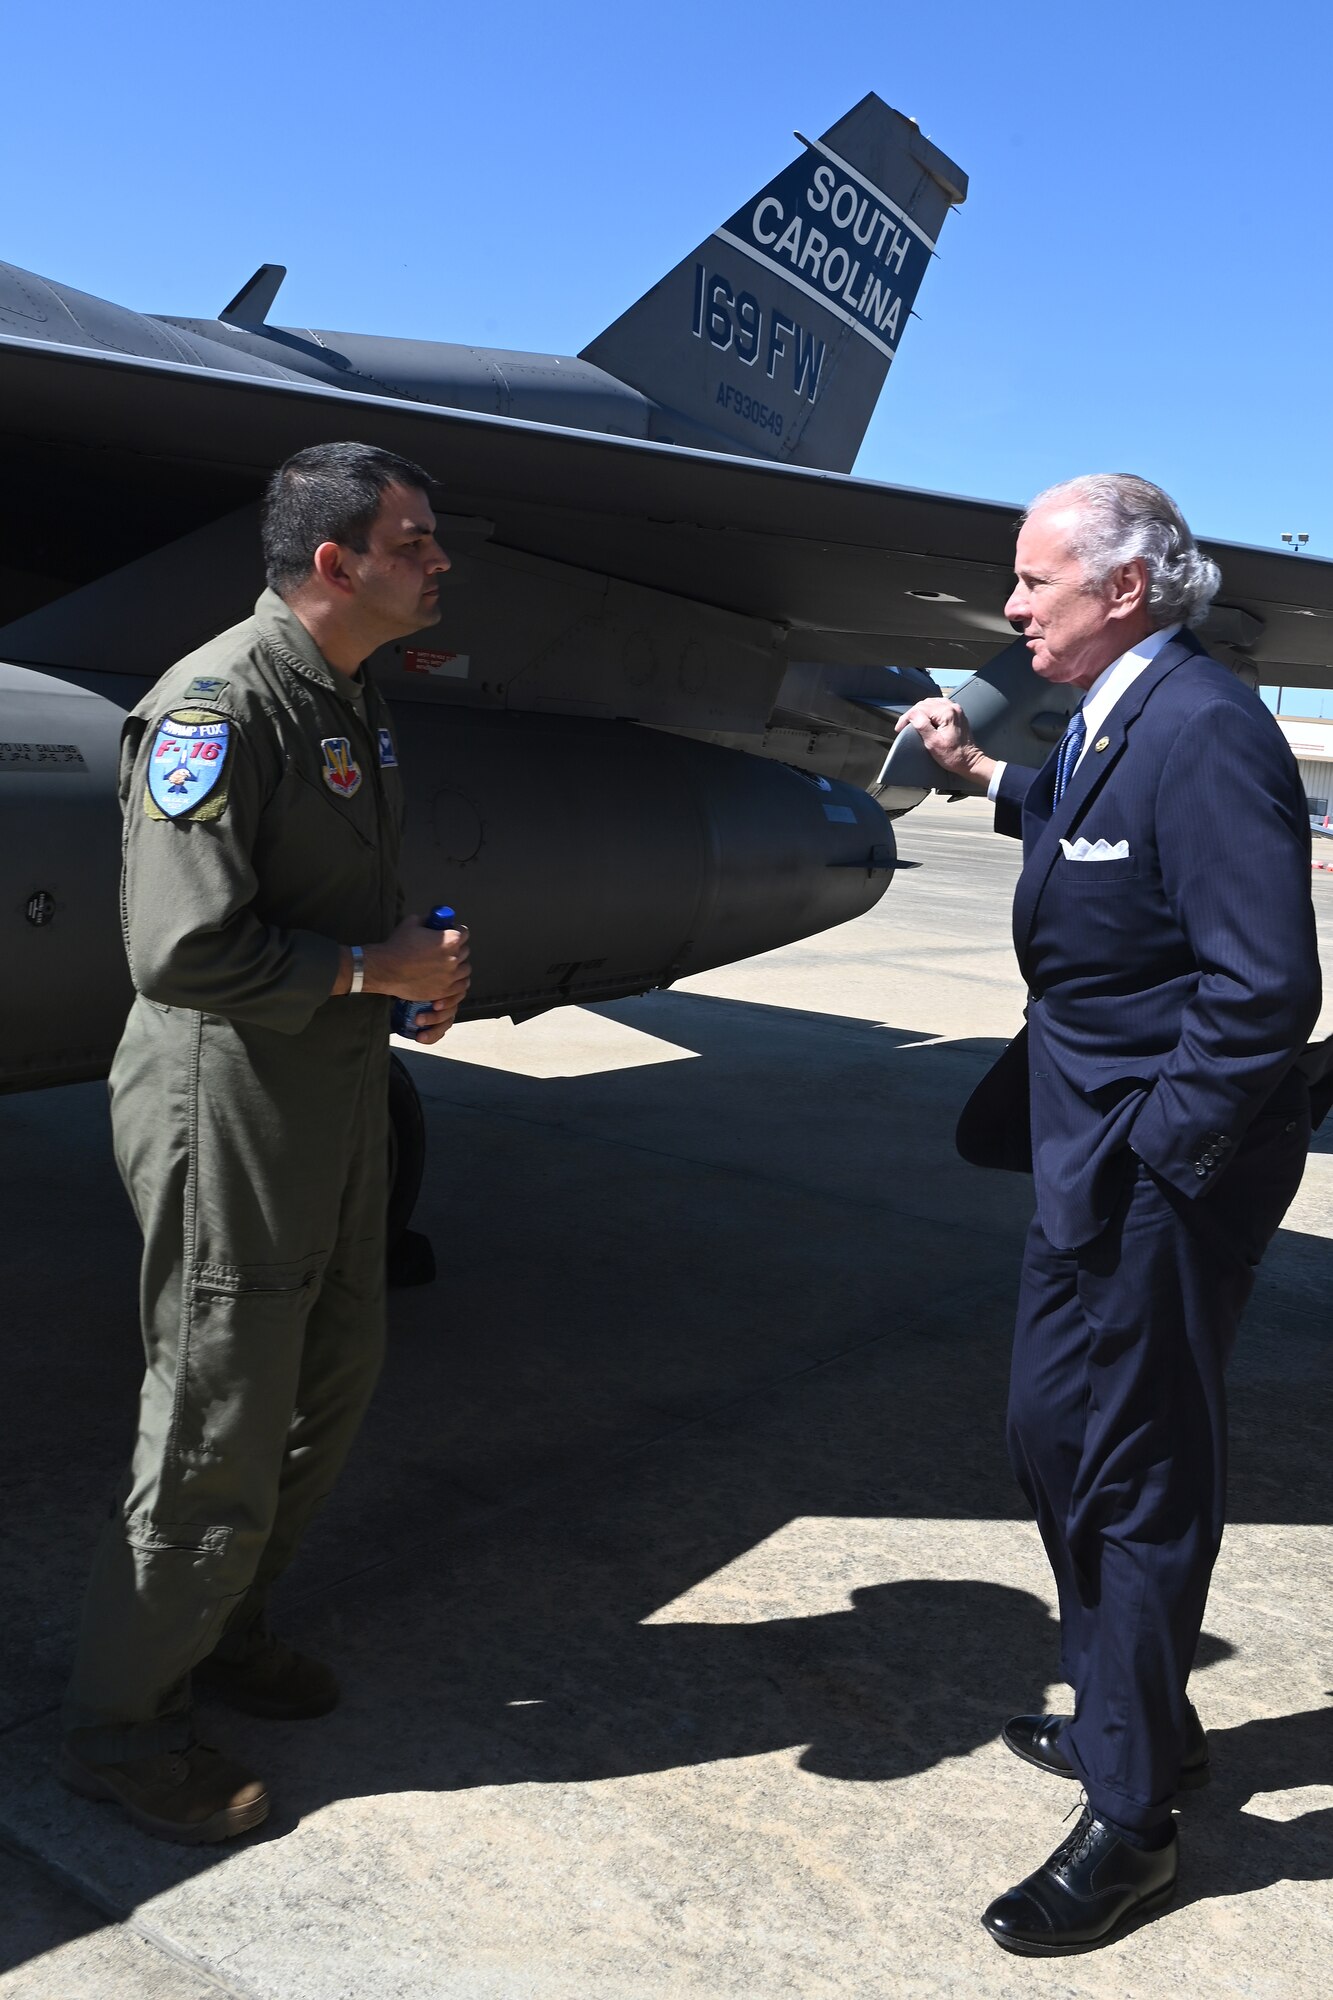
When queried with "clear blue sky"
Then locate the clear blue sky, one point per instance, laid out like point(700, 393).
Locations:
point(1140, 279)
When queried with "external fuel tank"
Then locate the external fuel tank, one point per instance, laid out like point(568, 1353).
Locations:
point(591, 859)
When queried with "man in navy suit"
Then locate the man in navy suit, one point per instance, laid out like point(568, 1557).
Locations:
point(1164, 926)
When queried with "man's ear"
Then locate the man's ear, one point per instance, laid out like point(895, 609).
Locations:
point(330, 566)
point(1129, 588)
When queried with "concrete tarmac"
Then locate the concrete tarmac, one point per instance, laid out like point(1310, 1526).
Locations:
point(679, 1586)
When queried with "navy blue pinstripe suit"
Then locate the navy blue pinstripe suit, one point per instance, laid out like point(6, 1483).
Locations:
point(1169, 992)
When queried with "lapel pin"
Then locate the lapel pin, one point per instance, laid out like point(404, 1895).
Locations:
point(1102, 743)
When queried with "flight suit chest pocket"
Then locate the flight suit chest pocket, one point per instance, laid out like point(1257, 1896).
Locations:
point(322, 811)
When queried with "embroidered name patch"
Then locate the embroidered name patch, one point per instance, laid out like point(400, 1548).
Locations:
point(342, 773)
point(388, 755)
point(186, 766)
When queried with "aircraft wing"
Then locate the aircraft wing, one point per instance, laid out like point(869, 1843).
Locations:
point(857, 570)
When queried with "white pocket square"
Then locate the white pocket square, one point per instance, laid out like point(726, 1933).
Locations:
point(1095, 850)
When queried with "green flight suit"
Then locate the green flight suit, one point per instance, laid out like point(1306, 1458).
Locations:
point(263, 813)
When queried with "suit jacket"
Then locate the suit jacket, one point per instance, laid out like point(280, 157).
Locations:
point(1171, 990)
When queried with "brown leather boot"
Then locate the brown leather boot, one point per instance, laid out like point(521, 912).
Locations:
point(272, 1680)
point(190, 1796)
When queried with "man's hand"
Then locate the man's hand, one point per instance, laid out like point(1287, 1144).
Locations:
point(433, 1027)
point(943, 728)
point(416, 963)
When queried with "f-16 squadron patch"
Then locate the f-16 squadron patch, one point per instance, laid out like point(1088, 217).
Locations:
point(187, 766)
point(342, 773)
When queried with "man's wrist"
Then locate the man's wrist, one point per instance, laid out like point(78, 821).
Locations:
point(971, 764)
point(353, 968)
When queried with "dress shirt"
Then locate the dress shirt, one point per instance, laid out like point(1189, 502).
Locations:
point(1106, 691)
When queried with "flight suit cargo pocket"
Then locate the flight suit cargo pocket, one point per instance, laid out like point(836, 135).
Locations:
point(236, 1385)
point(234, 1281)
point(189, 1538)
point(201, 1557)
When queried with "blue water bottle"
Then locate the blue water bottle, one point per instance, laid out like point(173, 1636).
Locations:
point(405, 1015)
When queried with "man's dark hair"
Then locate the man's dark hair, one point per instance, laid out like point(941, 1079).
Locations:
point(328, 493)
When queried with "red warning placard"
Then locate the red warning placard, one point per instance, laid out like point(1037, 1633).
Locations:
point(453, 666)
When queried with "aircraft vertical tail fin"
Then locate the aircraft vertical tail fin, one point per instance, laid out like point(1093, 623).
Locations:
point(775, 336)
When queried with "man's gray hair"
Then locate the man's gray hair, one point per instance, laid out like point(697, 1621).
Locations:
point(1121, 517)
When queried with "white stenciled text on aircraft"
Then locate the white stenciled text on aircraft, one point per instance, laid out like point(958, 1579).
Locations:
point(733, 321)
point(838, 241)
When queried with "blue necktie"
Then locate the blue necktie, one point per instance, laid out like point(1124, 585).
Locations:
point(1071, 743)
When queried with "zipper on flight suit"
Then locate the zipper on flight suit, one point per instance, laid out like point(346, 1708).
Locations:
point(381, 799)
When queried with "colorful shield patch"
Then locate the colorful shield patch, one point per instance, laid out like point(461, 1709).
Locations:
point(388, 755)
point(186, 762)
point(342, 773)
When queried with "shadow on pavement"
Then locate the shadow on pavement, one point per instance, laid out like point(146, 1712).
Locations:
point(1232, 1848)
point(681, 1306)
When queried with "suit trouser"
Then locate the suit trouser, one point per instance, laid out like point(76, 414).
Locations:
point(1118, 1436)
point(262, 1202)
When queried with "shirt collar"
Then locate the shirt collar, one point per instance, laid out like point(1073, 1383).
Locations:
point(286, 636)
point(1111, 683)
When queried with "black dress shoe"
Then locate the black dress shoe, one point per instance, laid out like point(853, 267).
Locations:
point(1095, 1886)
point(1036, 1739)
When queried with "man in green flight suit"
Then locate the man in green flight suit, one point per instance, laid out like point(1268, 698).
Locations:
point(263, 811)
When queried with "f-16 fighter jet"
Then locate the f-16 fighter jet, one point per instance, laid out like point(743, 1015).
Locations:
point(653, 729)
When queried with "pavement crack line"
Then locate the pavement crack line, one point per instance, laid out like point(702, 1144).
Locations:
point(88, 1894)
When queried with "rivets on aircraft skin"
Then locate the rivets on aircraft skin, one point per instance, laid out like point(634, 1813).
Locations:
point(1102, 743)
